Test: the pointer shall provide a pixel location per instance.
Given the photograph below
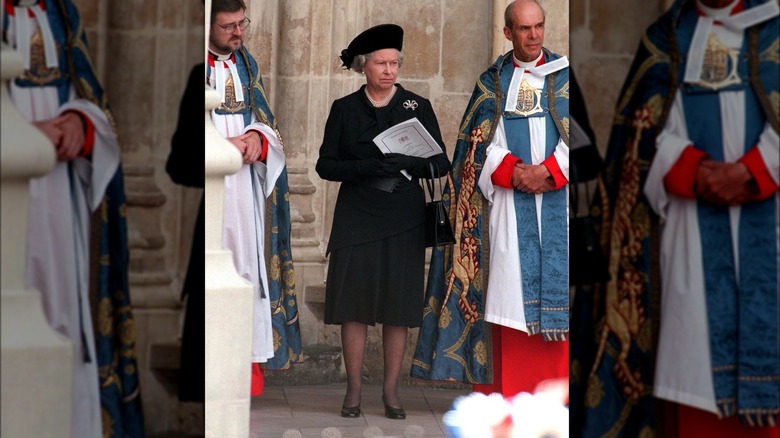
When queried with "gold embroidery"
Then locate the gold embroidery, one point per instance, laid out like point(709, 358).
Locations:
point(38, 71)
point(625, 313)
point(772, 53)
point(529, 100)
point(230, 104)
point(275, 268)
point(289, 276)
point(480, 353)
point(108, 423)
point(595, 392)
point(127, 336)
point(564, 91)
point(575, 372)
point(774, 100)
point(720, 65)
point(277, 340)
point(105, 320)
point(657, 57)
point(445, 318)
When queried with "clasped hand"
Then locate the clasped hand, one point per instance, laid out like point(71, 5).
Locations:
point(66, 133)
point(531, 178)
point(249, 145)
point(388, 166)
point(394, 163)
point(723, 183)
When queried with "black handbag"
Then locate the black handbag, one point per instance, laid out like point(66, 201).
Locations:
point(438, 230)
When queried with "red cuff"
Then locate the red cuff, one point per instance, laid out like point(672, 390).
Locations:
point(263, 144)
point(681, 178)
point(762, 180)
point(502, 176)
point(89, 134)
point(551, 163)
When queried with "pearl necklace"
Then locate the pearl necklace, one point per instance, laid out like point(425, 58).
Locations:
point(383, 102)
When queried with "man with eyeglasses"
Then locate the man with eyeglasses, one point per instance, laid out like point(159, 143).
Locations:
point(257, 196)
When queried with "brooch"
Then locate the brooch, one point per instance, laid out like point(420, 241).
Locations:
point(410, 104)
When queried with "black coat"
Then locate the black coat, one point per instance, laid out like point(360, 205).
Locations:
point(364, 213)
point(186, 166)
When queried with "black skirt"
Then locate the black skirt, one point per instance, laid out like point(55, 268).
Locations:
point(378, 282)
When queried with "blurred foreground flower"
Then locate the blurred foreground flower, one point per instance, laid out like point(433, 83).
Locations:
point(540, 415)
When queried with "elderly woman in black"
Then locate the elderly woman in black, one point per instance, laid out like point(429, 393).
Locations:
point(377, 243)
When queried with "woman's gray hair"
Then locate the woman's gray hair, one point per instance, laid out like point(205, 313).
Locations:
point(360, 61)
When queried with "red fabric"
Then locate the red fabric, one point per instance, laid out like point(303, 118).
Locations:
point(264, 145)
point(520, 362)
point(9, 8)
point(213, 57)
point(681, 178)
point(258, 380)
point(538, 63)
point(502, 176)
point(739, 7)
point(89, 134)
point(695, 423)
point(551, 163)
point(757, 168)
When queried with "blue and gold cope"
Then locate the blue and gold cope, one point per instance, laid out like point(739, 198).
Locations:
point(278, 254)
point(613, 393)
point(454, 342)
point(109, 293)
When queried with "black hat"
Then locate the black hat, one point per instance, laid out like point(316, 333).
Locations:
point(384, 36)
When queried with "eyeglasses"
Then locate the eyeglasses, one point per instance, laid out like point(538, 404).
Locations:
point(230, 28)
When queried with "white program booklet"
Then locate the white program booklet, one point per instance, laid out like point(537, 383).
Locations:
point(409, 138)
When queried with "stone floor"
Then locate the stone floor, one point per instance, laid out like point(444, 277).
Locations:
point(313, 412)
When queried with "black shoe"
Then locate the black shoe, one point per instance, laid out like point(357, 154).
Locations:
point(393, 413)
point(352, 412)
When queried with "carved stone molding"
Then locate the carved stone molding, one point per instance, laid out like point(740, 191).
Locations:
point(305, 243)
point(150, 279)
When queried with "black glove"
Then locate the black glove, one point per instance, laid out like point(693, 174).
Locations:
point(374, 167)
point(397, 162)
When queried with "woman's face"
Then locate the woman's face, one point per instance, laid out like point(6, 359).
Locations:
point(382, 69)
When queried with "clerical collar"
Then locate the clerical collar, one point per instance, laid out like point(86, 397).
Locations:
point(26, 16)
point(538, 69)
point(221, 76)
point(10, 5)
point(730, 9)
point(217, 57)
point(530, 64)
point(735, 18)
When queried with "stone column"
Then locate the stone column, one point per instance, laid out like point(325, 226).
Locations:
point(36, 361)
point(229, 298)
point(228, 301)
point(499, 42)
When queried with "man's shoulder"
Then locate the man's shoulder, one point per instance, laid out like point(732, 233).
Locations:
point(552, 56)
point(244, 54)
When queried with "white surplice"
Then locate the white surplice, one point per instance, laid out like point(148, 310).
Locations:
point(243, 219)
point(683, 372)
point(59, 225)
point(504, 296)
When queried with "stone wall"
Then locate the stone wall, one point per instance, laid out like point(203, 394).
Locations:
point(605, 35)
